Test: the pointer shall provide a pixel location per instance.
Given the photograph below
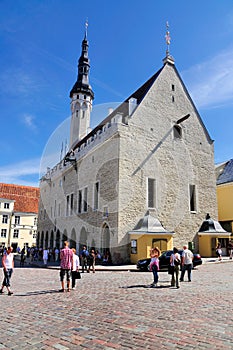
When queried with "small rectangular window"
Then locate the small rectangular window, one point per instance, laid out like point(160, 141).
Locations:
point(3, 233)
point(71, 204)
point(5, 219)
point(192, 198)
point(16, 234)
point(6, 205)
point(17, 220)
point(85, 199)
point(79, 201)
point(151, 193)
point(96, 196)
point(67, 205)
point(173, 87)
point(133, 246)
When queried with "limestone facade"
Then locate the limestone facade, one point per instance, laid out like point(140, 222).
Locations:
point(141, 157)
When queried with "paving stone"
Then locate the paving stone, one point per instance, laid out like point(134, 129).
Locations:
point(115, 310)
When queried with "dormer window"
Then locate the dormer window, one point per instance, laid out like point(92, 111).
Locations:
point(177, 132)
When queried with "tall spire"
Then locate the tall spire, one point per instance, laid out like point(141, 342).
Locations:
point(82, 84)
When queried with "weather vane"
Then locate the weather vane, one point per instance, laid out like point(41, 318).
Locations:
point(168, 38)
point(86, 26)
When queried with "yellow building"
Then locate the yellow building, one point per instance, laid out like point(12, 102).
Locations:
point(18, 215)
point(147, 234)
point(225, 194)
point(210, 234)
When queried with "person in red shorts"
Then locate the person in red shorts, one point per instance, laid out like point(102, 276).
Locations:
point(66, 257)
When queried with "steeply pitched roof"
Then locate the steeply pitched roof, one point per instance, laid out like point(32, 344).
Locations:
point(26, 197)
point(227, 173)
point(123, 109)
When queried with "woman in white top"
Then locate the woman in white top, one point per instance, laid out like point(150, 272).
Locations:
point(75, 267)
point(8, 265)
point(175, 270)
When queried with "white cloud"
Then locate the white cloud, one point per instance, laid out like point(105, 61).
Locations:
point(211, 82)
point(23, 173)
point(28, 120)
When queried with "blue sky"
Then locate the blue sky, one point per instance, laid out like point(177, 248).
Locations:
point(40, 45)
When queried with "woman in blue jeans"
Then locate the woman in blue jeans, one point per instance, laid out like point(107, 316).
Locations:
point(154, 265)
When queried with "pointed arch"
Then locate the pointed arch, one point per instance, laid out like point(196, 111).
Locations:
point(64, 237)
point(58, 237)
point(105, 238)
point(42, 239)
point(73, 239)
point(46, 243)
point(83, 238)
point(51, 241)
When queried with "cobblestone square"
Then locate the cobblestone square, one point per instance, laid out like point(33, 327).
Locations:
point(117, 310)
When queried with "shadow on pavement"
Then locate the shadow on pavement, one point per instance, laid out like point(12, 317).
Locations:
point(145, 286)
point(39, 292)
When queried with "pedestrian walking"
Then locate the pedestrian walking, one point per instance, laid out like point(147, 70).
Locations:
point(154, 265)
point(219, 251)
point(56, 254)
point(45, 256)
point(230, 249)
point(66, 257)
point(75, 267)
point(84, 256)
point(22, 257)
point(186, 264)
point(8, 265)
point(175, 262)
point(91, 260)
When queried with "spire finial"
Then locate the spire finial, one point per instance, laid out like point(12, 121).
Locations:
point(168, 39)
point(86, 26)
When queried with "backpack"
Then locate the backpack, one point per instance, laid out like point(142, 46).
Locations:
point(177, 262)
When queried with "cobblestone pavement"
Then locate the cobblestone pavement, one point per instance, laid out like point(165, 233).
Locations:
point(117, 310)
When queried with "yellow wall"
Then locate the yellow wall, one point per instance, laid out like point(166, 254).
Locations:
point(144, 244)
point(225, 202)
point(207, 244)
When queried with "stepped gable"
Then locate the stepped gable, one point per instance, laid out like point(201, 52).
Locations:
point(26, 197)
point(227, 173)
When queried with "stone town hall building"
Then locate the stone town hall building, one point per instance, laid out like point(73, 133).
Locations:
point(144, 176)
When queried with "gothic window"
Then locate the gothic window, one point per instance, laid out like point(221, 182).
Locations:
point(177, 132)
point(67, 205)
point(151, 193)
point(71, 204)
point(85, 199)
point(96, 196)
point(192, 198)
point(79, 201)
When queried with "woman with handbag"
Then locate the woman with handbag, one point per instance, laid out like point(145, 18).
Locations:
point(154, 265)
point(175, 262)
point(75, 268)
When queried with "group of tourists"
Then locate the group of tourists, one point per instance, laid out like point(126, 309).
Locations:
point(177, 263)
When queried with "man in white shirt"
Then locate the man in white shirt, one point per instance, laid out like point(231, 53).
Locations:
point(186, 263)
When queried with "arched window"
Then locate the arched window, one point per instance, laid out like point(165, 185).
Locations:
point(177, 132)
